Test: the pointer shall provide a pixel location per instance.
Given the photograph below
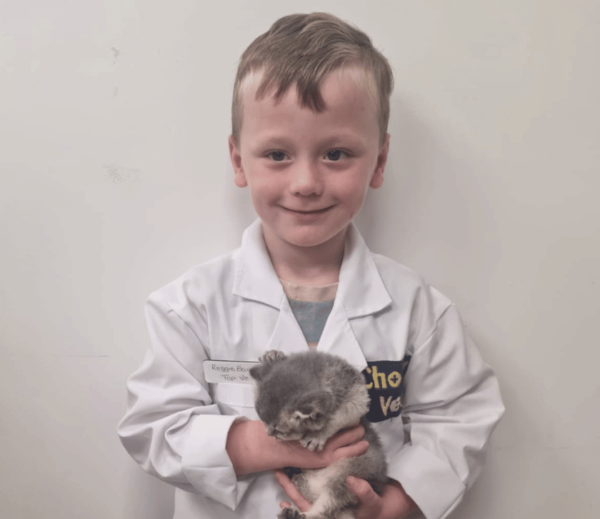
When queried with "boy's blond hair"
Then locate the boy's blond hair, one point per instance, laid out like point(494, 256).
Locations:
point(300, 50)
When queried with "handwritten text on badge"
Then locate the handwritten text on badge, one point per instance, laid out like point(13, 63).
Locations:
point(230, 372)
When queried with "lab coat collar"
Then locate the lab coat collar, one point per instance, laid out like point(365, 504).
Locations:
point(361, 290)
point(255, 277)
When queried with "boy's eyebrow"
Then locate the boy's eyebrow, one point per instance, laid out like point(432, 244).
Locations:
point(344, 139)
point(339, 139)
point(273, 141)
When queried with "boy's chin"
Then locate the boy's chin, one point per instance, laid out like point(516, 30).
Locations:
point(312, 238)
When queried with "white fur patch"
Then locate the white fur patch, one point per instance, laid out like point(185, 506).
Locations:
point(318, 485)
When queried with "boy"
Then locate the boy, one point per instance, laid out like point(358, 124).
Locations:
point(310, 113)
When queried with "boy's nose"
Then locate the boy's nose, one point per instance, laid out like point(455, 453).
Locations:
point(306, 180)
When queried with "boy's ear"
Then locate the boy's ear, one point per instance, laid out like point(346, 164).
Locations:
point(239, 177)
point(377, 178)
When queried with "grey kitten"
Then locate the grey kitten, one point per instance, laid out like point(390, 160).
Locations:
point(309, 397)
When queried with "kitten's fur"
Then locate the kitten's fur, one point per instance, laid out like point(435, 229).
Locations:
point(309, 397)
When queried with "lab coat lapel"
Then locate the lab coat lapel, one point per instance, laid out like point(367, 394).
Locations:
point(361, 288)
point(361, 292)
point(256, 280)
point(338, 338)
point(287, 336)
point(255, 277)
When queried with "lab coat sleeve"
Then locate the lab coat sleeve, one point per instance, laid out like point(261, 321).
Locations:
point(172, 428)
point(452, 403)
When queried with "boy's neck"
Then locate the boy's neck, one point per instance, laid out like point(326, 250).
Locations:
point(312, 266)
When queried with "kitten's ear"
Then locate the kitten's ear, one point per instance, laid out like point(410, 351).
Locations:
point(258, 372)
point(266, 363)
point(314, 405)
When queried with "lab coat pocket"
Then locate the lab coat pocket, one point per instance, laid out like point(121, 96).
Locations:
point(235, 399)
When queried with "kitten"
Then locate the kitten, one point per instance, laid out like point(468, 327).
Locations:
point(309, 397)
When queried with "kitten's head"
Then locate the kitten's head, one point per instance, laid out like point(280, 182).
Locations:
point(287, 401)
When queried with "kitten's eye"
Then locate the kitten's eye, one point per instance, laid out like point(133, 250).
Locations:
point(277, 156)
point(335, 155)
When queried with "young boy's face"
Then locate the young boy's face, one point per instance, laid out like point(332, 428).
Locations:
point(309, 172)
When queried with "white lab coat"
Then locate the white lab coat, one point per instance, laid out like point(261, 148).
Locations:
point(234, 308)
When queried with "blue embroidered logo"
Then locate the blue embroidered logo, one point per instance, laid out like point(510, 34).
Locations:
point(385, 383)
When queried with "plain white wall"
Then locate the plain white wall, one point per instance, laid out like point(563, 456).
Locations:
point(114, 179)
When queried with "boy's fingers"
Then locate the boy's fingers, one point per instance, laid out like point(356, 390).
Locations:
point(292, 492)
point(283, 481)
point(351, 451)
point(348, 437)
point(360, 488)
point(284, 504)
point(370, 503)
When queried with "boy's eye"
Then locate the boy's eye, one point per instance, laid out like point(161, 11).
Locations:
point(335, 155)
point(277, 156)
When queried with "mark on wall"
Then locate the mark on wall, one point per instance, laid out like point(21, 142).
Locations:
point(119, 174)
point(115, 91)
point(116, 54)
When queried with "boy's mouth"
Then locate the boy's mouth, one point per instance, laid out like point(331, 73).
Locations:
point(314, 211)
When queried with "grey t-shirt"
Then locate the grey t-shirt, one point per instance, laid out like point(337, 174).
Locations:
point(311, 307)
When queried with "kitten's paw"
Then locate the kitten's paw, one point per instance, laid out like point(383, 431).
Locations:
point(313, 443)
point(307, 443)
point(272, 356)
point(290, 513)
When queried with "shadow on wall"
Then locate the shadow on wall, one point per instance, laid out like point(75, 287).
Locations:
point(530, 452)
point(437, 211)
point(431, 190)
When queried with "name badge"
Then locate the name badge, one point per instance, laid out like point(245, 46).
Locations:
point(230, 372)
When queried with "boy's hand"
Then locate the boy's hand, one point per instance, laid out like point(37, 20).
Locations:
point(346, 444)
point(251, 450)
point(394, 503)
